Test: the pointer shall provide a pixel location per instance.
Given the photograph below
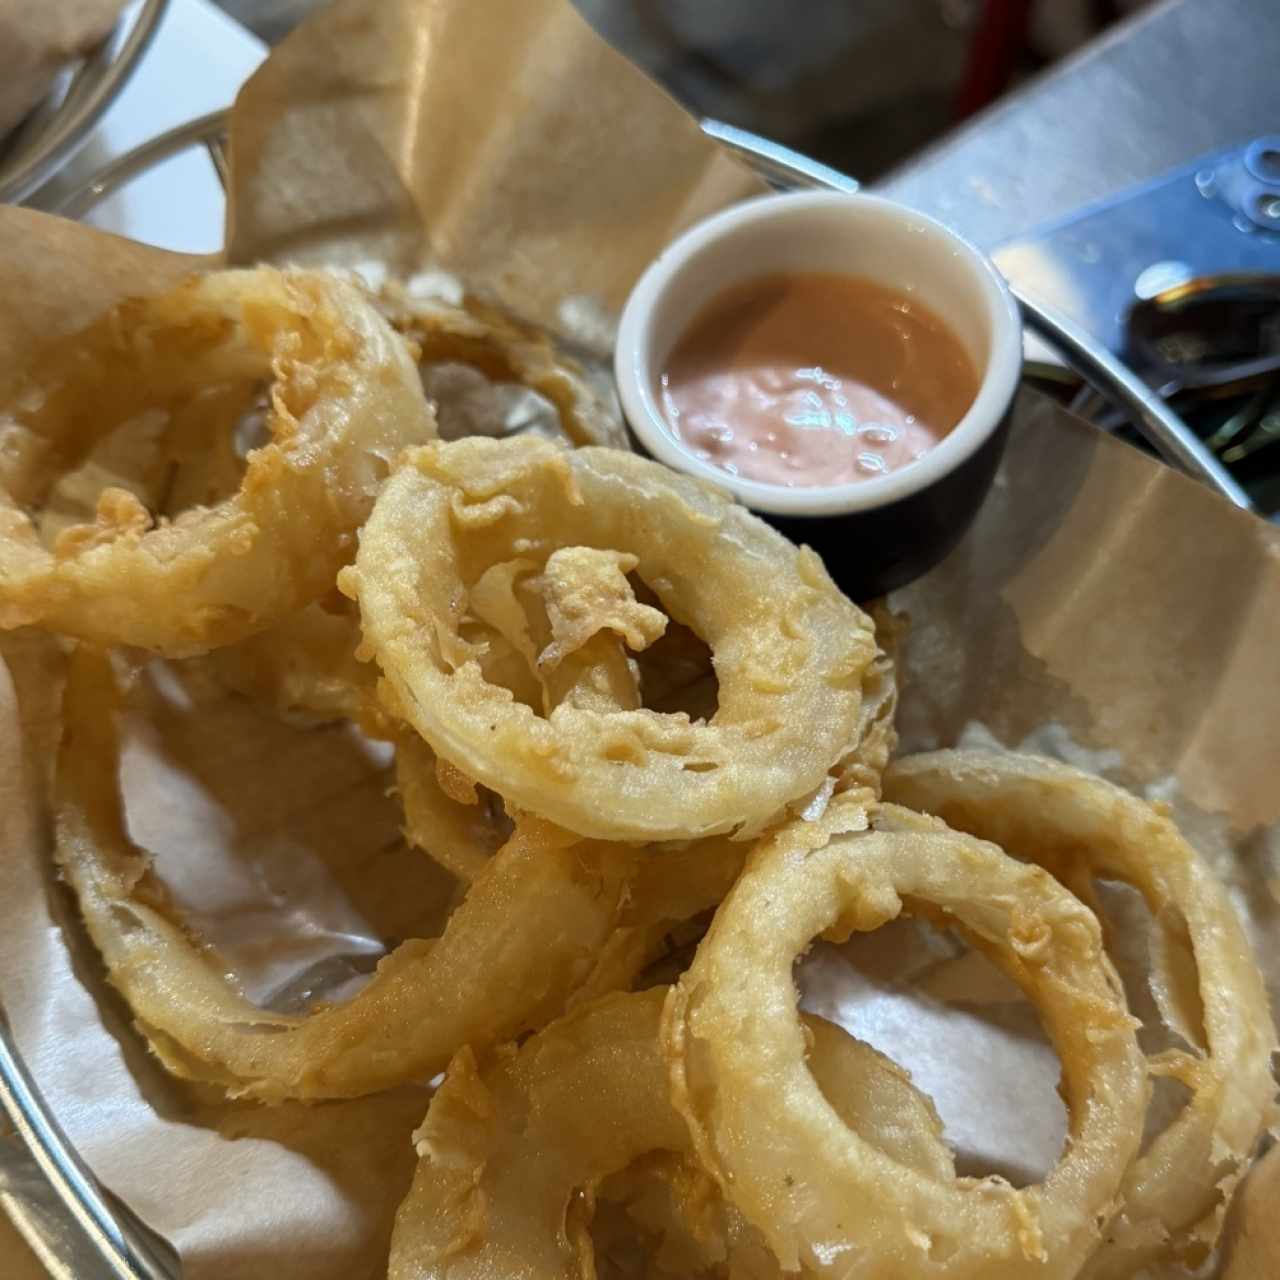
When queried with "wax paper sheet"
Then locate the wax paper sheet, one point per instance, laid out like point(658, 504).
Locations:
point(1102, 609)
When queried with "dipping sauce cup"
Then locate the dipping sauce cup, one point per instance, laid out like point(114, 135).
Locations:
point(887, 526)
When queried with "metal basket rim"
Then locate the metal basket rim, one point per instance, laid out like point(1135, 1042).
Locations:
point(102, 75)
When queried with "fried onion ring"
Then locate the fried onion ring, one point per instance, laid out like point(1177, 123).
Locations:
point(825, 1198)
point(1075, 824)
point(570, 623)
point(304, 668)
point(684, 883)
point(345, 398)
point(669, 888)
point(1253, 1248)
point(458, 831)
point(593, 619)
point(512, 1155)
point(790, 651)
point(503, 350)
point(679, 1206)
point(663, 1216)
point(521, 941)
point(877, 737)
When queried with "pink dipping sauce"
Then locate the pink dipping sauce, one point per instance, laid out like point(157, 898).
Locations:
point(815, 378)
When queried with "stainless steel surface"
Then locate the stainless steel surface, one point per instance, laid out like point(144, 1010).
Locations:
point(1186, 77)
point(206, 131)
point(89, 1225)
point(38, 1237)
point(1176, 443)
point(1096, 264)
point(57, 128)
point(775, 163)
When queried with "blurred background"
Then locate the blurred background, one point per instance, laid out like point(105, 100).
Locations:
point(861, 84)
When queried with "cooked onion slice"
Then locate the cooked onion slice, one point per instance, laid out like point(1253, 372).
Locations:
point(1075, 824)
point(686, 1224)
point(344, 400)
point(527, 933)
point(790, 651)
point(514, 1153)
point(1253, 1246)
point(458, 831)
point(504, 351)
point(592, 620)
point(304, 668)
point(671, 886)
point(826, 1198)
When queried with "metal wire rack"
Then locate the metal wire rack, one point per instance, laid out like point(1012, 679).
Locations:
point(58, 125)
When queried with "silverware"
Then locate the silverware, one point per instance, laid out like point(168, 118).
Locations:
point(1212, 332)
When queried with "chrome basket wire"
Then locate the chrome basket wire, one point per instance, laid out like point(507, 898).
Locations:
point(54, 130)
point(71, 1211)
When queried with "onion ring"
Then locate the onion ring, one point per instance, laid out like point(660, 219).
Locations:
point(512, 1154)
point(1175, 1195)
point(671, 885)
point(823, 1197)
point(305, 668)
point(877, 737)
point(580, 661)
point(683, 883)
point(790, 650)
point(345, 399)
point(1253, 1247)
point(504, 350)
point(664, 1216)
point(593, 619)
point(526, 934)
point(461, 834)
point(679, 1204)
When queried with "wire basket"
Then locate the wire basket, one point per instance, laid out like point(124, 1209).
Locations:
point(55, 129)
point(80, 1232)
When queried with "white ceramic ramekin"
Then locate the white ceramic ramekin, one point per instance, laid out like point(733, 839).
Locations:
point(878, 532)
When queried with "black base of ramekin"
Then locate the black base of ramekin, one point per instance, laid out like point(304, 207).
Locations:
point(869, 553)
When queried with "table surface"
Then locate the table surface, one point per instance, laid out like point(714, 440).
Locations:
point(1181, 79)
point(1184, 78)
